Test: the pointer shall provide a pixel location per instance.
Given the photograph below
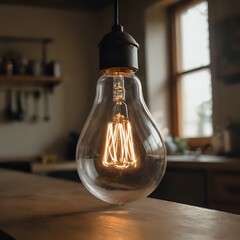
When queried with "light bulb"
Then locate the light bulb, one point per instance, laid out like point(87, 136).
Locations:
point(120, 154)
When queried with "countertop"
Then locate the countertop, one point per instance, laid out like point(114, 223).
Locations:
point(202, 162)
point(38, 207)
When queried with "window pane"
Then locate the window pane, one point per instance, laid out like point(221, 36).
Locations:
point(194, 37)
point(197, 104)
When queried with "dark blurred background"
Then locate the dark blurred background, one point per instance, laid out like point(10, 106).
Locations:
point(189, 66)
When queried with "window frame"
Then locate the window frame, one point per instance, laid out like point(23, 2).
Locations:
point(175, 75)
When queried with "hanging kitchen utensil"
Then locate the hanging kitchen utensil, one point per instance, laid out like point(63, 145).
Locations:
point(19, 115)
point(8, 111)
point(26, 105)
point(36, 95)
point(46, 105)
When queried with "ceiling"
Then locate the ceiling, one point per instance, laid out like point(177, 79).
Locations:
point(62, 4)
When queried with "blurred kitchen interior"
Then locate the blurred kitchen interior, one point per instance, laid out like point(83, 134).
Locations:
point(41, 119)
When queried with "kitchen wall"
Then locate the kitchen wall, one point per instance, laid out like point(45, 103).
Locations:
point(147, 22)
point(141, 19)
point(157, 50)
point(76, 35)
point(72, 32)
point(226, 98)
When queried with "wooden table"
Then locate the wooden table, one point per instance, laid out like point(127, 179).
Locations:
point(35, 207)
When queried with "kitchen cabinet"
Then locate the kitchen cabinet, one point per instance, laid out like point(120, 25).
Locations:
point(206, 181)
point(224, 191)
point(183, 186)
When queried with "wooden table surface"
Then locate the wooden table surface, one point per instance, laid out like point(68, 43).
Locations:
point(35, 207)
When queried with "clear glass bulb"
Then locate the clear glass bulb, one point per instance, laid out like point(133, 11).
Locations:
point(120, 154)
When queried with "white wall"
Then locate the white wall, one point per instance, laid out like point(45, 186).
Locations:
point(157, 65)
point(69, 104)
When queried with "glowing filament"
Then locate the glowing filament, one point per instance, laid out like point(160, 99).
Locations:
point(119, 149)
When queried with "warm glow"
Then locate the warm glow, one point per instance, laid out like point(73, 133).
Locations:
point(119, 147)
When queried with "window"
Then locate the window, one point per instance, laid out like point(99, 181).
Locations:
point(191, 74)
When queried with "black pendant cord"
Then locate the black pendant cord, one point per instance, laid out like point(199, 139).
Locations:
point(118, 49)
point(116, 20)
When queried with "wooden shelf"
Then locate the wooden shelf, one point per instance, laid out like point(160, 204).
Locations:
point(47, 81)
point(7, 39)
point(28, 80)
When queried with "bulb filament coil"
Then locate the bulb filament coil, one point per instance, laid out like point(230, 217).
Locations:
point(119, 148)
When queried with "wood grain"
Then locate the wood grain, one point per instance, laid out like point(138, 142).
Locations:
point(35, 207)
